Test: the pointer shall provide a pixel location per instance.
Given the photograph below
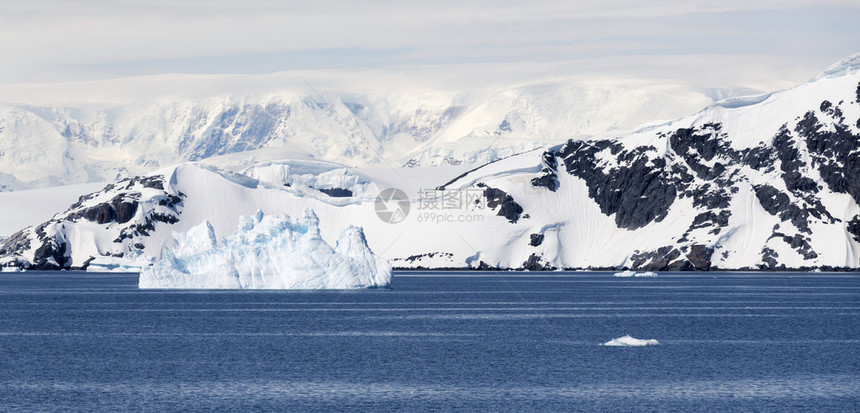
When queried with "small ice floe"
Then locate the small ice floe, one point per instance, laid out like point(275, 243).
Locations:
point(117, 264)
point(629, 273)
point(628, 341)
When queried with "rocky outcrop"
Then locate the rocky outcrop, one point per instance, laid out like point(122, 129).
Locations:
point(508, 208)
point(130, 207)
point(668, 258)
point(537, 263)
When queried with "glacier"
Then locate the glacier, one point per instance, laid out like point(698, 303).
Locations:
point(268, 252)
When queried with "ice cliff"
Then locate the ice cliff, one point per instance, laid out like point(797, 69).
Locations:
point(268, 252)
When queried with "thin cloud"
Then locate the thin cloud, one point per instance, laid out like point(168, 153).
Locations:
point(53, 40)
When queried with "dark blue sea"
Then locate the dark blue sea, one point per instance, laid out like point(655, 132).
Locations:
point(435, 342)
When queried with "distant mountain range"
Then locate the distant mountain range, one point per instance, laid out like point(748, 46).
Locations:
point(63, 144)
point(763, 182)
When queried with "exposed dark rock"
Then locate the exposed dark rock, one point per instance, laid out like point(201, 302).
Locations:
point(170, 201)
point(768, 258)
point(759, 157)
point(710, 219)
point(336, 192)
point(125, 208)
point(655, 260)
point(548, 180)
point(640, 185)
point(550, 163)
point(155, 182)
point(101, 213)
point(799, 243)
point(458, 177)
point(50, 249)
point(833, 111)
point(548, 177)
point(786, 151)
point(483, 266)
point(700, 257)
point(852, 226)
point(796, 182)
point(834, 152)
point(19, 241)
point(120, 209)
point(669, 258)
point(413, 258)
point(771, 199)
point(638, 191)
point(84, 198)
point(779, 204)
point(496, 197)
point(536, 239)
point(695, 145)
point(145, 227)
point(708, 196)
point(534, 263)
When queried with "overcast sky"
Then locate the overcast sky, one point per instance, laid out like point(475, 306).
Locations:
point(75, 40)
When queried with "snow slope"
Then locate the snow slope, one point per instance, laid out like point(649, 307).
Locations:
point(19, 209)
point(766, 182)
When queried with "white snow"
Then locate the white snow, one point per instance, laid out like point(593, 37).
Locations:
point(66, 143)
point(627, 341)
point(635, 274)
point(577, 234)
point(268, 252)
point(20, 209)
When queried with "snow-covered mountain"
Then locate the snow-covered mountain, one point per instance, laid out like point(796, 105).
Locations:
point(770, 181)
point(50, 145)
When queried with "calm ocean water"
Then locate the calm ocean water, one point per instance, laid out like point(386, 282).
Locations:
point(76, 341)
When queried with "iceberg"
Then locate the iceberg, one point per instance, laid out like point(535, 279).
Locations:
point(635, 274)
point(627, 341)
point(268, 252)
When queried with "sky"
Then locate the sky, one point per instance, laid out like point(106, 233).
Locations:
point(750, 43)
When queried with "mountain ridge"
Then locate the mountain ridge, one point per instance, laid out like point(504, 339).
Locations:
point(769, 185)
point(100, 142)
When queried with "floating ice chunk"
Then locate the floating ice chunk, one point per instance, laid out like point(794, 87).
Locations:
point(635, 274)
point(116, 264)
point(268, 252)
point(627, 341)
